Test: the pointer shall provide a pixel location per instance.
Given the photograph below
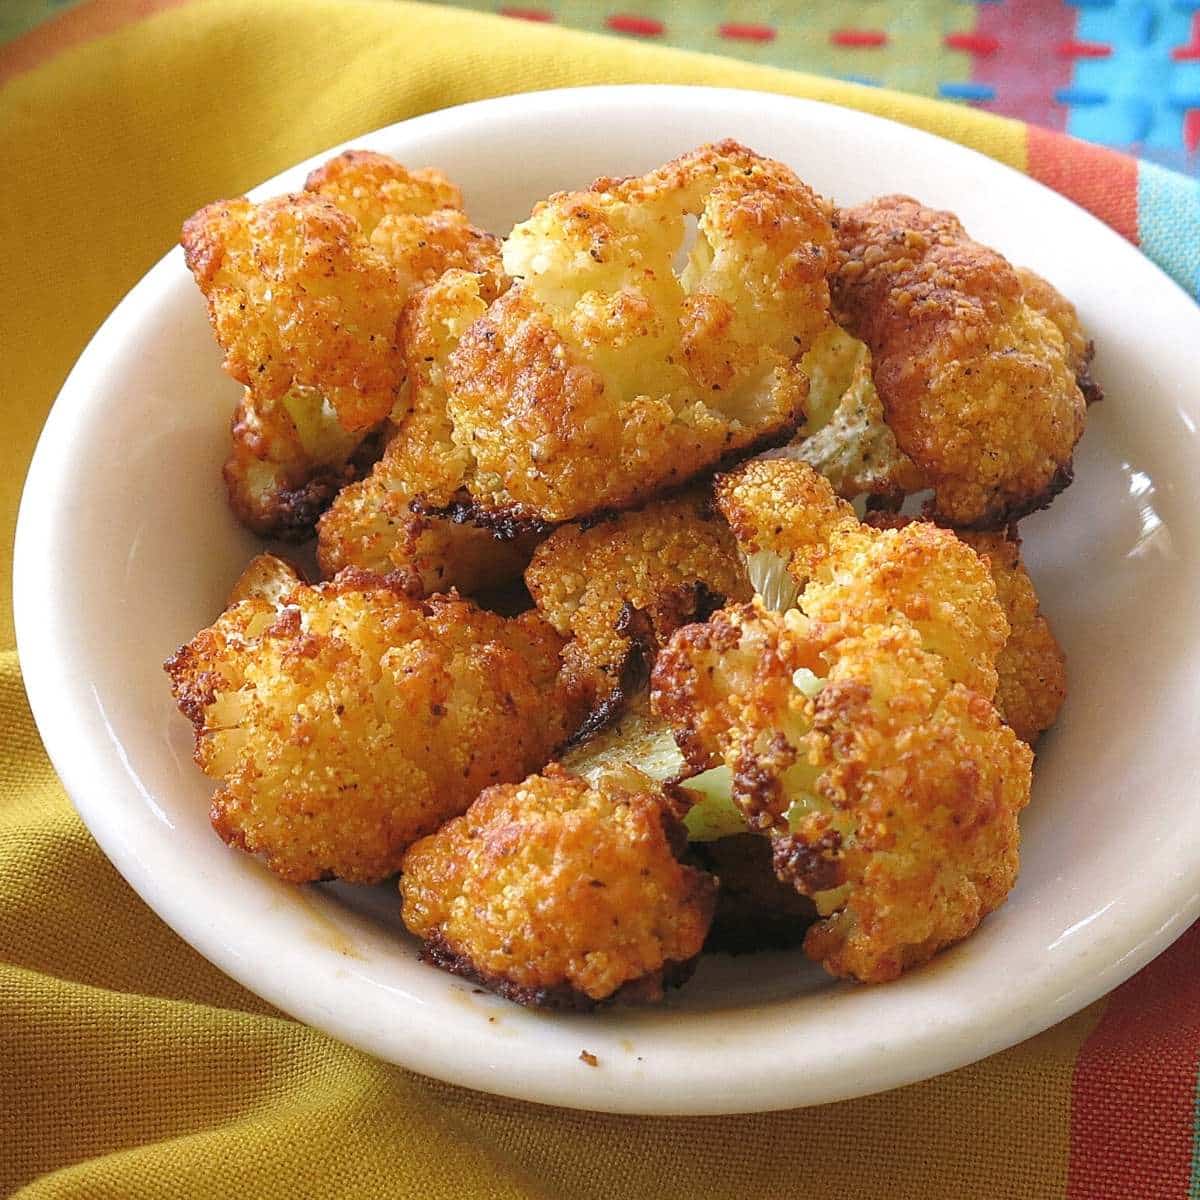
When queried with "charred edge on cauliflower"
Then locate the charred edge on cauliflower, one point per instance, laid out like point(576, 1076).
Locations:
point(1093, 393)
point(561, 997)
point(632, 678)
point(1006, 515)
point(508, 524)
point(514, 521)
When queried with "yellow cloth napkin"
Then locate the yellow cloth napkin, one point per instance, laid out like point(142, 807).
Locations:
point(130, 1067)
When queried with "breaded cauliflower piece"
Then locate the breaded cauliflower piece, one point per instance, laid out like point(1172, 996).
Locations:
point(351, 719)
point(1031, 670)
point(845, 437)
point(604, 377)
point(891, 792)
point(298, 298)
point(414, 219)
point(620, 588)
point(977, 385)
point(1050, 302)
point(371, 523)
point(304, 293)
point(852, 576)
point(370, 187)
point(559, 893)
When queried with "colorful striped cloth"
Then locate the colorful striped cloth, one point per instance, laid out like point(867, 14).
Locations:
point(131, 1067)
point(1123, 73)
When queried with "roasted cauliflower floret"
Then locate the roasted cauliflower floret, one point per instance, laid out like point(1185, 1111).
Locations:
point(1031, 670)
point(978, 386)
point(560, 893)
point(852, 576)
point(349, 719)
point(298, 298)
point(891, 793)
point(604, 376)
point(370, 187)
point(304, 293)
point(371, 523)
point(845, 436)
point(1050, 302)
point(620, 588)
point(414, 219)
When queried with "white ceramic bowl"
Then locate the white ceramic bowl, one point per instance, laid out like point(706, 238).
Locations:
point(126, 547)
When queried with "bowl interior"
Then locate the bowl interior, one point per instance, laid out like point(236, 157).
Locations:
point(126, 548)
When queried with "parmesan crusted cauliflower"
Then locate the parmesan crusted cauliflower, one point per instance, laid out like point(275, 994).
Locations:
point(560, 893)
point(304, 293)
point(853, 576)
point(347, 719)
point(603, 376)
point(1031, 669)
point(371, 523)
point(891, 793)
point(977, 384)
point(620, 588)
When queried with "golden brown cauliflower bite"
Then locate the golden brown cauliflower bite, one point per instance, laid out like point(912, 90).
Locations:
point(850, 575)
point(977, 384)
point(371, 523)
point(1031, 670)
point(891, 792)
point(347, 719)
point(619, 588)
point(414, 219)
point(304, 293)
point(559, 893)
point(605, 376)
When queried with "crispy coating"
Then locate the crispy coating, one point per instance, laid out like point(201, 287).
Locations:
point(1050, 302)
point(371, 523)
point(1031, 669)
point(604, 377)
point(414, 219)
point(977, 385)
point(891, 793)
point(353, 719)
point(672, 562)
point(558, 892)
point(370, 186)
point(756, 910)
point(298, 298)
point(304, 294)
point(287, 460)
point(845, 436)
point(854, 576)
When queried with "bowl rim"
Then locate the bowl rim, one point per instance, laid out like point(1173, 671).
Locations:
point(943, 1045)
